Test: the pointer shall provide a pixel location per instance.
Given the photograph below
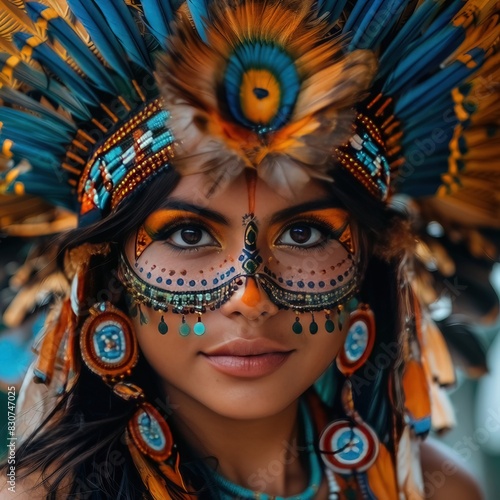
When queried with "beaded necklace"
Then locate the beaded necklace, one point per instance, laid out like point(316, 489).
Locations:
point(231, 491)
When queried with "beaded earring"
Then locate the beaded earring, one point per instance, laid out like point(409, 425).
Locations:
point(108, 343)
point(109, 349)
point(350, 445)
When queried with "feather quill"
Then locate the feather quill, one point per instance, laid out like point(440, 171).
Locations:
point(13, 19)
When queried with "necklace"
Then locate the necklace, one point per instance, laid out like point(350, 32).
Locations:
point(231, 491)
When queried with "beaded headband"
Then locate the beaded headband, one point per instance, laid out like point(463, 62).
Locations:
point(292, 90)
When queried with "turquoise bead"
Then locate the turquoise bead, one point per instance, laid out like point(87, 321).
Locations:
point(184, 329)
point(199, 328)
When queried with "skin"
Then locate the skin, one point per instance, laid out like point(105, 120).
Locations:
point(222, 414)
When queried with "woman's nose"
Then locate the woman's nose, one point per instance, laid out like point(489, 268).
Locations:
point(250, 301)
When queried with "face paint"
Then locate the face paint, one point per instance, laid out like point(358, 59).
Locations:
point(250, 257)
point(320, 273)
point(310, 261)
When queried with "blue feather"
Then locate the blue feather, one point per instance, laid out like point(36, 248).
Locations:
point(79, 51)
point(412, 29)
point(40, 160)
point(360, 29)
point(360, 9)
point(48, 58)
point(440, 23)
point(49, 88)
point(426, 58)
point(35, 140)
point(51, 118)
point(274, 60)
point(14, 119)
point(105, 40)
point(122, 24)
point(377, 32)
point(159, 14)
point(199, 13)
point(54, 189)
point(438, 86)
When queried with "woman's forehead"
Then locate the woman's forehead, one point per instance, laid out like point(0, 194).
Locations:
point(234, 199)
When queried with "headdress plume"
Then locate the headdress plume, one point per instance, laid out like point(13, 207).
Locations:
point(260, 85)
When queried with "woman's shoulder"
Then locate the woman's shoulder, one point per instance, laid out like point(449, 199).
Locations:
point(445, 476)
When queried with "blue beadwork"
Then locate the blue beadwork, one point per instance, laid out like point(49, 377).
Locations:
point(151, 432)
point(109, 343)
point(356, 341)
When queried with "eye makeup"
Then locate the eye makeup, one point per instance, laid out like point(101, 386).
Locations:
point(162, 224)
point(308, 264)
point(333, 222)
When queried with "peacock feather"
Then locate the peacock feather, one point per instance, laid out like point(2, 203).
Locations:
point(260, 85)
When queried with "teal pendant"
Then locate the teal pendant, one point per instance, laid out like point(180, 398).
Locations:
point(297, 327)
point(329, 325)
point(313, 327)
point(199, 327)
point(184, 328)
point(162, 326)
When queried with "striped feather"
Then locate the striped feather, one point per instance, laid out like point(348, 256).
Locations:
point(50, 88)
point(13, 19)
point(49, 116)
point(79, 51)
point(42, 53)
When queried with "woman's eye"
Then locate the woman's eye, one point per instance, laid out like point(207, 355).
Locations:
point(303, 235)
point(191, 236)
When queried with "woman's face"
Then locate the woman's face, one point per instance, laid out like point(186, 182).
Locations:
point(249, 362)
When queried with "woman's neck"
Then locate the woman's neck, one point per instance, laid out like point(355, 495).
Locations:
point(262, 454)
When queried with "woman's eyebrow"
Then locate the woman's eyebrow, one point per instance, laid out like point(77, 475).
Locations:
point(175, 204)
point(308, 206)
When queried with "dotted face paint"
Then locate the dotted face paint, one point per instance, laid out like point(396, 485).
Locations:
point(184, 260)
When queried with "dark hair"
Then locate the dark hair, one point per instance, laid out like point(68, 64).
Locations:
point(82, 438)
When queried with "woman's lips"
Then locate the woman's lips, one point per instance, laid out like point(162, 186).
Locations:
point(247, 357)
point(256, 365)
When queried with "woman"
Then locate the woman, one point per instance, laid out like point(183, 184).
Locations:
point(242, 322)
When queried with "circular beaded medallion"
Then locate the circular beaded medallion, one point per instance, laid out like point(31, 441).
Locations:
point(151, 433)
point(107, 342)
point(359, 341)
point(348, 446)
